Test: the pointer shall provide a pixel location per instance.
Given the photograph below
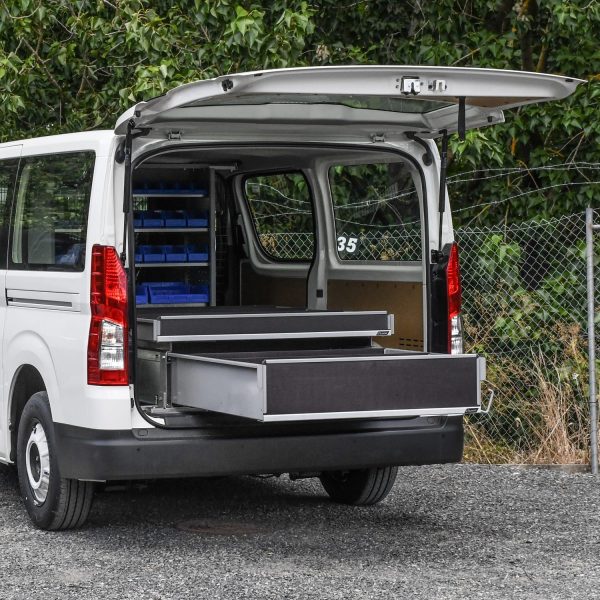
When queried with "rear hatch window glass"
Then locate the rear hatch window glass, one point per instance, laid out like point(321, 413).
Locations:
point(377, 212)
point(385, 103)
point(282, 212)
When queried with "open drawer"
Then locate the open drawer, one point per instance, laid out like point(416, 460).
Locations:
point(329, 384)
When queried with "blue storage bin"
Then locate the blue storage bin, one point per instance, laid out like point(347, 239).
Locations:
point(175, 253)
point(177, 293)
point(175, 218)
point(138, 218)
point(181, 189)
point(152, 254)
point(197, 219)
point(141, 294)
point(159, 284)
point(144, 189)
point(139, 257)
point(197, 252)
point(199, 293)
point(153, 218)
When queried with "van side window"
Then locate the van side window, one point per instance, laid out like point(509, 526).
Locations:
point(282, 213)
point(8, 176)
point(50, 212)
point(377, 212)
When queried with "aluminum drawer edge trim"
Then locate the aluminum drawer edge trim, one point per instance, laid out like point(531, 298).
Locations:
point(425, 412)
point(271, 336)
point(275, 315)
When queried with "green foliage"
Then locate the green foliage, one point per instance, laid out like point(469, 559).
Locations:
point(69, 65)
point(554, 36)
point(74, 65)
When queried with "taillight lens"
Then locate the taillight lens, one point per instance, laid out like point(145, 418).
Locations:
point(107, 342)
point(454, 294)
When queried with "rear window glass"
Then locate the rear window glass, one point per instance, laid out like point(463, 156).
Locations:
point(383, 103)
point(50, 213)
point(377, 212)
point(282, 212)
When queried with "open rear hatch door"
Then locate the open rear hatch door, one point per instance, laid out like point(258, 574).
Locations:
point(361, 99)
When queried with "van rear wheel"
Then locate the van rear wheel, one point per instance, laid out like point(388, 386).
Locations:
point(53, 503)
point(361, 487)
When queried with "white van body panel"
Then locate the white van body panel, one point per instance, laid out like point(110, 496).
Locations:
point(100, 141)
point(49, 312)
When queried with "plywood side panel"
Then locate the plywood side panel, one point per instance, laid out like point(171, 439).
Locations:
point(271, 291)
point(403, 300)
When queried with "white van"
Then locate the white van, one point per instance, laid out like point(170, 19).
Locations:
point(250, 274)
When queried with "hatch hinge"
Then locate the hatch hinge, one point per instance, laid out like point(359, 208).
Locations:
point(174, 134)
point(378, 138)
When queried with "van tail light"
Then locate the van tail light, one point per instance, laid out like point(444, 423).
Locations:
point(107, 342)
point(454, 295)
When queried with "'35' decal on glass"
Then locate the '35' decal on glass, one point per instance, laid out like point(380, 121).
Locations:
point(347, 244)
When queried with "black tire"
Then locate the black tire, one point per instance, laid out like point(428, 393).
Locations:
point(53, 503)
point(361, 487)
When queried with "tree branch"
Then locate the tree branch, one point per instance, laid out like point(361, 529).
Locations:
point(496, 22)
point(42, 64)
point(527, 12)
point(541, 64)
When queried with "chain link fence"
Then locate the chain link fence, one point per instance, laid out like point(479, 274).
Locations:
point(525, 308)
point(404, 244)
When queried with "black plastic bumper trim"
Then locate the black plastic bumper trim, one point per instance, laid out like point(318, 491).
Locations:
point(111, 455)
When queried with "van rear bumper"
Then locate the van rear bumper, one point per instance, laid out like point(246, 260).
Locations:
point(158, 453)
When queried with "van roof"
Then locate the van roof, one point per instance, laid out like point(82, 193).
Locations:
point(98, 140)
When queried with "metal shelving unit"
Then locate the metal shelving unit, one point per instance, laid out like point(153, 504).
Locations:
point(203, 235)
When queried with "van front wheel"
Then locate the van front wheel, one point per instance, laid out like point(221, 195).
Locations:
point(359, 487)
point(52, 502)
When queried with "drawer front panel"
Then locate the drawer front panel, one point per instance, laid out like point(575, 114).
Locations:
point(380, 384)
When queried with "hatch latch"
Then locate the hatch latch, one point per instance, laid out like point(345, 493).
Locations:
point(410, 85)
point(174, 134)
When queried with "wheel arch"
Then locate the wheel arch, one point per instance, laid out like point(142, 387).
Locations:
point(30, 369)
point(26, 382)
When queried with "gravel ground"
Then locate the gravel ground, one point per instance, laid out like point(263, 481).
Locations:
point(459, 531)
